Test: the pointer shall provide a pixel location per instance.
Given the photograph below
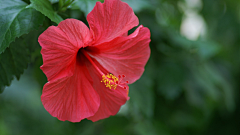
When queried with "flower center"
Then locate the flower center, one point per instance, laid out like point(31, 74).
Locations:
point(109, 80)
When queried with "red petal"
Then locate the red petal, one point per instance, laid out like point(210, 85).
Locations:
point(110, 100)
point(60, 46)
point(71, 98)
point(76, 31)
point(111, 19)
point(110, 103)
point(125, 55)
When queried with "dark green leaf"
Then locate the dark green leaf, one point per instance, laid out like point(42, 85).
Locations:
point(170, 79)
point(45, 7)
point(13, 61)
point(15, 20)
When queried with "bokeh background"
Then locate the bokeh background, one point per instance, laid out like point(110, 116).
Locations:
point(190, 86)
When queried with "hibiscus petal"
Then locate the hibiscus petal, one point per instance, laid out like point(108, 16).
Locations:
point(76, 31)
point(60, 46)
point(72, 98)
point(111, 19)
point(125, 55)
point(110, 100)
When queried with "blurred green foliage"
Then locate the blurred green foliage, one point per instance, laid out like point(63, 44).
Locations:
point(190, 86)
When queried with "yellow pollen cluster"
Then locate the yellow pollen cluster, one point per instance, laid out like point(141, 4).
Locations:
point(110, 81)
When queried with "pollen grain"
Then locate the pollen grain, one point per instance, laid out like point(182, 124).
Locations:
point(110, 81)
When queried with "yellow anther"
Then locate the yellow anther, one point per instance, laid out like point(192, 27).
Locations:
point(110, 81)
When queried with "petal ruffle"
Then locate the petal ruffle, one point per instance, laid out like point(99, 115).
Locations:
point(72, 98)
point(110, 100)
point(60, 46)
point(110, 19)
point(124, 55)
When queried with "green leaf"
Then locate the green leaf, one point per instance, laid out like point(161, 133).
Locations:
point(170, 79)
point(87, 5)
point(45, 7)
point(15, 20)
point(144, 128)
point(53, 1)
point(13, 61)
point(142, 98)
point(207, 49)
point(84, 5)
point(138, 5)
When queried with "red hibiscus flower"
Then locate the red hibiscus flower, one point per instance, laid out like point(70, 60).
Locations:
point(89, 70)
